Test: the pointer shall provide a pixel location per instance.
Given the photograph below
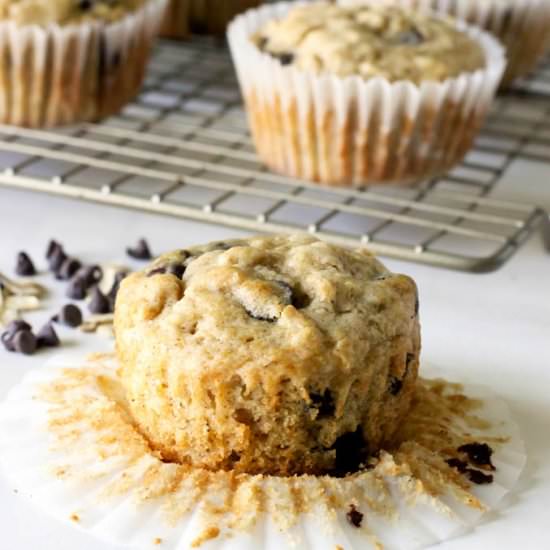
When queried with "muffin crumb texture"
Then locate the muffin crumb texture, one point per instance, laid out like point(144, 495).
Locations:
point(369, 41)
point(278, 355)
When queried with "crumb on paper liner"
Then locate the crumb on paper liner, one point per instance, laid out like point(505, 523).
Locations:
point(67, 438)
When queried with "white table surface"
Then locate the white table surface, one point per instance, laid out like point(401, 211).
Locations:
point(493, 329)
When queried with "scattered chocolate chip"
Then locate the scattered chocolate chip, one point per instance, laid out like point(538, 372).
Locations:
point(396, 385)
point(351, 452)
point(24, 341)
point(354, 516)
point(285, 58)
point(478, 453)
point(18, 325)
point(67, 269)
point(7, 340)
point(69, 315)
point(47, 337)
point(479, 478)
point(24, 266)
point(52, 247)
point(140, 252)
point(323, 402)
point(99, 304)
point(411, 37)
point(77, 288)
point(91, 274)
point(457, 464)
point(56, 259)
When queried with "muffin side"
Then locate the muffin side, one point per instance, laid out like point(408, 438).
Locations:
point(280, 355)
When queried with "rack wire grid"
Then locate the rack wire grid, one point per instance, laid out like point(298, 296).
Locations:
point(182, 148)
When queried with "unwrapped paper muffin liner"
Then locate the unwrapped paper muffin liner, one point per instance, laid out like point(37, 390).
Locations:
point(68, 441)
point(351, 131)
point(60, 74)
point(523, 26)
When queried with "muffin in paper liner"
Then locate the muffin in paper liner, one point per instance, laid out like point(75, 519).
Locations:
point(351, 131)
point(523, 26)
point(202, 16)
point(67, 440)
point(60, 74)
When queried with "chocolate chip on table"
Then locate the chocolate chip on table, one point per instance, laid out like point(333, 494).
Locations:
point(351, 452)
point(77, 288)
point(7, 340)
point(323, 402)
point(99, 304)
point(354, 516)
point(56, 258)
point(478, 453)
point(7, 337)
point(70, 315)
point(24, 266)
point(47, 337)
point(17, 325)
point(24, 341)
point(67, 269)
point(52, 247)
point(92, 274)
point(141, 251)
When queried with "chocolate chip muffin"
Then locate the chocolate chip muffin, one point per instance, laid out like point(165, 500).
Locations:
point(64, 61)
point(363, 94)
point(277, 355)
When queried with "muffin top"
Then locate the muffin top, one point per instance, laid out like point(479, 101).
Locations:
point(369, 41)
point(63, 12)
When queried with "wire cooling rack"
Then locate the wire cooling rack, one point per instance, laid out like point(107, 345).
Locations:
point(182, 148)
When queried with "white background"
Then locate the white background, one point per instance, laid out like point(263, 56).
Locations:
point(492, 329)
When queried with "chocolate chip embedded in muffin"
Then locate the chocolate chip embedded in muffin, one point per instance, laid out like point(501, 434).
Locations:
point(268, 355)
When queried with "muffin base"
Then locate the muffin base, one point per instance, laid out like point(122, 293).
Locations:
point(68, 440)
point(59, 75)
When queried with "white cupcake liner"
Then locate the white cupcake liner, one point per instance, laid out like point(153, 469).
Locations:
point(60, 74)
point(523, 26)
point(350, 131)
point(65, 442)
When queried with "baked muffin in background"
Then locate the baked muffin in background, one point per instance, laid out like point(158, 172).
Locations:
point(353, 95)
point(276, 355)
point(63, 62)
point(523, 26)
point(184, 17)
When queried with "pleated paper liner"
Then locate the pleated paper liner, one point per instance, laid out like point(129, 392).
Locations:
point(67, 440)
point(353, 131)
point(60, 74)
